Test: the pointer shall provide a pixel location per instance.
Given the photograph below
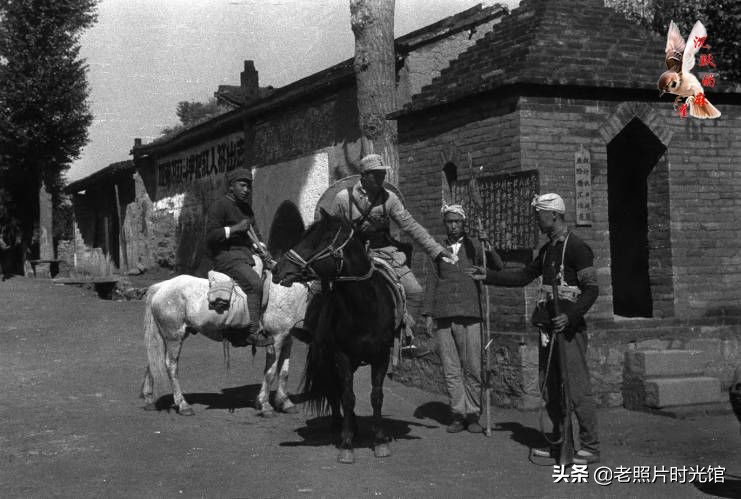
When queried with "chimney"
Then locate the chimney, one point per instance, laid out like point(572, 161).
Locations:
point(248, 81)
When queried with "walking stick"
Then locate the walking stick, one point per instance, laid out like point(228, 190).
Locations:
point(485, 398)
point(485, 342)
point(566, 454)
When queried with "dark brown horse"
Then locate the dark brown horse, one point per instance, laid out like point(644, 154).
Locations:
point(356, 326)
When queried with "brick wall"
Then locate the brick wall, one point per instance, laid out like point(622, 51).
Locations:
point(693, 205)
point(697, 177)
point(693, 202)
point(427, 61)
point(300, 129)
point(492, 143)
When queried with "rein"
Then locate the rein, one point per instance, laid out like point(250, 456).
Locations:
point(337, 253)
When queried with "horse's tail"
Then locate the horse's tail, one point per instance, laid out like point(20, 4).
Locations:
point(321, 383)
point(153, 340)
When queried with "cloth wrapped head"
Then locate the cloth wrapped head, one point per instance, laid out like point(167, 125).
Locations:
point(372, 162)
point(453, 208)
point(549, 202)
point(238, 174)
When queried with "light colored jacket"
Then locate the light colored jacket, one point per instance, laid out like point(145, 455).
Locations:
point(391, 208)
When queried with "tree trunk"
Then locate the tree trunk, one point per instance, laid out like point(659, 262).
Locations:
point(372, 23)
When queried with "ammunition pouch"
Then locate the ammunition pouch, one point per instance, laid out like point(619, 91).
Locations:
point(544, 310)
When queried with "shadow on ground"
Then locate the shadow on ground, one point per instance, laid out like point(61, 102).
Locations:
point(525, 435)
point(731, 487)
point(229, 399)
point(435, 410)
point(318, 432)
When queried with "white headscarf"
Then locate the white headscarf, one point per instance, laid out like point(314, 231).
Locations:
point(549, 202)
point(453, 208)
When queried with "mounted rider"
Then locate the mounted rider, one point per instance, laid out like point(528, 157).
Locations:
point(370, 208)
point(234, 242)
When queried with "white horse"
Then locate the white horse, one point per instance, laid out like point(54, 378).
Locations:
point(179, 306)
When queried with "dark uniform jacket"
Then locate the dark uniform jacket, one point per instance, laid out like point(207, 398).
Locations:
point(452, 293)
point(226, 211)
point(578, 271)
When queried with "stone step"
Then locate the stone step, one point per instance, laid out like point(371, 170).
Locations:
point(664, 363)
point(664, 392)
point(694, 410)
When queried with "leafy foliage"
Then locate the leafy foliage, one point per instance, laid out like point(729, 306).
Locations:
point(193, 113)
point(44, 116)
point(722, 18)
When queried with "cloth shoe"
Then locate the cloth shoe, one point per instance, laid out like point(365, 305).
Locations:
point(457, 426)
point(545, 452)
point(583, 456)
point(472, 424)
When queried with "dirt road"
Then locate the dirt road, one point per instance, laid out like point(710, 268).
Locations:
point(71, 425)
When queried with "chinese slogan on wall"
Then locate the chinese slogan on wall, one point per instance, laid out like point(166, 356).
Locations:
point(583, 180)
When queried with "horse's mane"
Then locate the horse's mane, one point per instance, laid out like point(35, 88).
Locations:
point(326, 222)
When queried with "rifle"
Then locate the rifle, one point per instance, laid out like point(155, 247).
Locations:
point(260, 249)
point(566, 454)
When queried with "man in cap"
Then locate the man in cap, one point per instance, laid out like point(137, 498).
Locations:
point(569, 261)
point(228, 225)
point(452, 303)
point(371, 208)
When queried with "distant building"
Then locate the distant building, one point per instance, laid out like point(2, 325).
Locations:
point(298, 139)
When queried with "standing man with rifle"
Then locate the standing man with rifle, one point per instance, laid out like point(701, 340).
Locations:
point(569, 290)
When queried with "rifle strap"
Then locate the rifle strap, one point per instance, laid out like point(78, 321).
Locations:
point(364, 214)
point(560, 275)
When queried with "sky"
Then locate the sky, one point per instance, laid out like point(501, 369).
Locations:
point(145, 56)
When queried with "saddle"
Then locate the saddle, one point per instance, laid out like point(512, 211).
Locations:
point(227, 298)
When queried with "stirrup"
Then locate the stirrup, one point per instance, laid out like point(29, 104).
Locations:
point(415, 352)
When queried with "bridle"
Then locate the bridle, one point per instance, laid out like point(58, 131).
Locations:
point(337, 253)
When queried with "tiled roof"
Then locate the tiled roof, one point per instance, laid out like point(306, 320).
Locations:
point(552, 42)
point(233, 95)
point(101, 175)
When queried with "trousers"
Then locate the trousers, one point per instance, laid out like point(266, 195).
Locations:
point(459, 343)
point(580, 387)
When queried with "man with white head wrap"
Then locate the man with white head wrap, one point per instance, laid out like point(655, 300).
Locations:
point(570, 261)
point(452, 304)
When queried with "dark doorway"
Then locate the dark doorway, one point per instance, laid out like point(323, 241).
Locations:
point(631, 156)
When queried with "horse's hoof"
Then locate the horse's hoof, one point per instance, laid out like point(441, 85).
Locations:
point(346, 456)
point(382, 450)
point(188, 411)
point(150, 407)
point(290, 409)
point(267, 413)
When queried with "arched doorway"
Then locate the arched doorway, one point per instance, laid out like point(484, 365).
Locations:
point(638, 202)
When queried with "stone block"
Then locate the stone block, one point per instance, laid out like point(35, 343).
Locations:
point(664, 363)
point(708, 345)
point(664, 392)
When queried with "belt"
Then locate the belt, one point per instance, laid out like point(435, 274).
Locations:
point(570, 293)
